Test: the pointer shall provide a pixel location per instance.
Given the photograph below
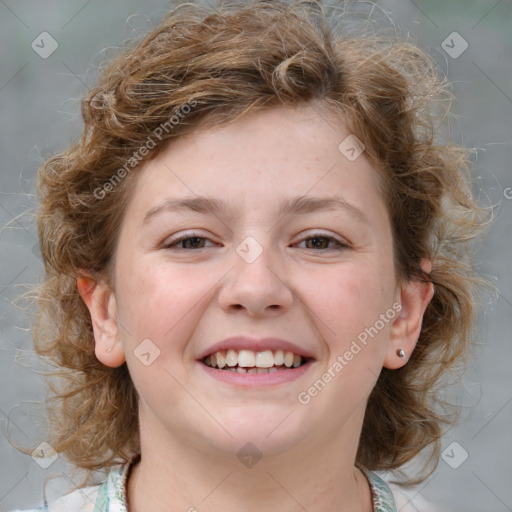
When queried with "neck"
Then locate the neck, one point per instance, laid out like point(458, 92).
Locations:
point(314, 476)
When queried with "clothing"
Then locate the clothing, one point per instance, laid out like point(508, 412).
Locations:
point(110, 496)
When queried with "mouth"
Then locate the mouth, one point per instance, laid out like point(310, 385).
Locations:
point(248, 361)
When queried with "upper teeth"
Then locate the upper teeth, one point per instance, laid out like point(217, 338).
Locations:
point(250, 359)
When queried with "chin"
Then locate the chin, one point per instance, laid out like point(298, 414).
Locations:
point(251, 431)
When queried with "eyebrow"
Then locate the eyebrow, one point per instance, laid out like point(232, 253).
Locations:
point(295, 205)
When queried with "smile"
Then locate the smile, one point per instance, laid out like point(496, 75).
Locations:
point(248, 361)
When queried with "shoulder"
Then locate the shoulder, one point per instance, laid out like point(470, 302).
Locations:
point(407, 500)
point(108, 496)
point(411, 501)
point(80, 500)
point(392, 497)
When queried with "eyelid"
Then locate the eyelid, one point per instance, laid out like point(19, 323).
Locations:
point(315, 233)
point(173, 240)
point(340, 243)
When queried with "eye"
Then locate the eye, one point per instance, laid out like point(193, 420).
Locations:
point(317, 241)
point(188, 241)
point(322, 242)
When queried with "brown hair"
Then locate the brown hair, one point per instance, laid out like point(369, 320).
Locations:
point(223, 63)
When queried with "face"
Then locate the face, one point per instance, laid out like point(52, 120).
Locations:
point(255, 241)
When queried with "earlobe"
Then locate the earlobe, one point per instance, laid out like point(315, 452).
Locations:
point(415, 297)
point(101, 302)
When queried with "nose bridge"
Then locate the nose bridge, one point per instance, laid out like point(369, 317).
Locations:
point(255, 283)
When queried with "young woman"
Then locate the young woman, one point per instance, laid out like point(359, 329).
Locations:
point(256, 267)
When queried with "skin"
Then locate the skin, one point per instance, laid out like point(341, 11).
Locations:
point(184, 300)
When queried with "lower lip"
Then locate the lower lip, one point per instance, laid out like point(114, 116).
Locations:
point(257, 379)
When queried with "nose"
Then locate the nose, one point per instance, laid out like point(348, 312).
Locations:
point(257, 287)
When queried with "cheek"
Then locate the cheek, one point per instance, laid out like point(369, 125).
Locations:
point(348, 306)
point(159, 304)
point(349, 299)
point(156, 301)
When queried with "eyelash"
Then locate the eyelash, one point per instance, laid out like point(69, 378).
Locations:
point(172, 244)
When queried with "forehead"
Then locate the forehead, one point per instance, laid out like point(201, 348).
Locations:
point(262, 161)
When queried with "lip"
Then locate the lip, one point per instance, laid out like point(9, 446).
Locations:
point(249, 380)
point(246, 343)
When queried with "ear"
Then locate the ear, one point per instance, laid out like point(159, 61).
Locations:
point(101, 302)
point(415, 295)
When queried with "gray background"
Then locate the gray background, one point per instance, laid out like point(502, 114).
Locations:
point(39, 115)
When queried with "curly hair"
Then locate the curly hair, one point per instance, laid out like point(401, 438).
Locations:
point(221, 64)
